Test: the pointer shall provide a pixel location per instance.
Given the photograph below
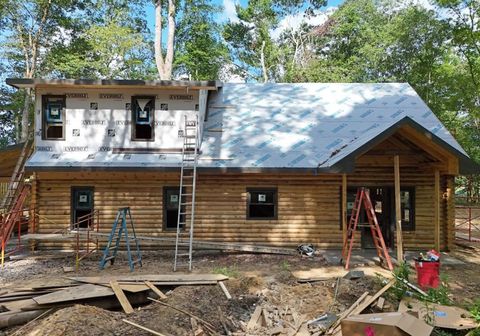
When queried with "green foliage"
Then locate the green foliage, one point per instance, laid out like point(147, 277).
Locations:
point(440, 295)
point(200, 53)
point(475, 310)
point(285, 266)
point(230, 271)
point(402, 271)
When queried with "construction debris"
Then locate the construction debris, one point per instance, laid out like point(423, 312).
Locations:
point(385, 324)
point(267, 320)
point(440, 316)
point(25, 304)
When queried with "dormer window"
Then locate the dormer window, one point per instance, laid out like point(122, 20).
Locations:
point(53, 117)
point(143, 112)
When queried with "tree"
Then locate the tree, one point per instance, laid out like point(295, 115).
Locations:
point(255, 52)
point(31, 27)
point(199, 51)
point(163, 61)
point(111, 43)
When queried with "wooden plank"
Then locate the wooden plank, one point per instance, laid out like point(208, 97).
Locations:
point(380, 303)
point(398, 208)
point(87, 291)
point(225, 290)
point(127, 307)
point(368, 302)
point(157, 291)
point(347, 313)
point(254, 319)
point(436, 209)
point(153, 332)
point(170, 278)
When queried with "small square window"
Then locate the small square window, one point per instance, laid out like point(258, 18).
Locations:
point(143, 113)
point(53, 117)
point(261, 203)
point(164, 107)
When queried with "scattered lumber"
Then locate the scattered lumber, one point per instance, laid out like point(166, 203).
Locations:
point(87, 291)
point(168, 279)
point(368, 302)
point(225, 290)
point(153, 332)
point(254, 319)
point(127, 307)
point(156, 290)
point(380, 303)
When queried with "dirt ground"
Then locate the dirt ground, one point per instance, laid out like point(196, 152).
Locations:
point(266, 280)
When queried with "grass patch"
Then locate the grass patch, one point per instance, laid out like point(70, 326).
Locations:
point(230, 271)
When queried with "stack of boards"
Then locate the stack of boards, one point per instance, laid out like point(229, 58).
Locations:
point(109, 292)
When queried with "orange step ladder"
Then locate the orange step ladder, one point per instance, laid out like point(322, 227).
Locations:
point(363, 197)
point(11, 218)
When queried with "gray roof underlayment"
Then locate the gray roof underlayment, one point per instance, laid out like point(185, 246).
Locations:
point(313, 126)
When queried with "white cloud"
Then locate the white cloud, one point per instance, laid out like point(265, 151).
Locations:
point(229, 11)
point(294, 21)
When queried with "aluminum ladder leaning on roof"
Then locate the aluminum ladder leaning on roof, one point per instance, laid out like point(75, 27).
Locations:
point(186, 198)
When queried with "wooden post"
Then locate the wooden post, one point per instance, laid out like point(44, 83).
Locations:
point(398, 208)
point(436, 210)
point(344, 208)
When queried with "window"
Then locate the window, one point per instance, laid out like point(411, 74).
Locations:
point(261, 203)
point(82, 207)
point(53, 117)
point(170, 208)
point(407, 206)
point(143, 112)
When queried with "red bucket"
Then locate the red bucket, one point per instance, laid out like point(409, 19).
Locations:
point(428, 273)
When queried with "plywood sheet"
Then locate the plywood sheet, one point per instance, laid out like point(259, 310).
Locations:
point(87, 291)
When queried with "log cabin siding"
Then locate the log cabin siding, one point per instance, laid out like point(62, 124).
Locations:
point(308, 205)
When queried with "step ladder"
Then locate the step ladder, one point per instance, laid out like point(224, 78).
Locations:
point(14, 216)
point(120, 229)
point(363, 197)
point(17, 179)
point(186, 207)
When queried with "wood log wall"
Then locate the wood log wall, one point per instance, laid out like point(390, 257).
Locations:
point(308, 205)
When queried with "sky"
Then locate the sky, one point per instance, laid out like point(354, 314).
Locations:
point(229, 13)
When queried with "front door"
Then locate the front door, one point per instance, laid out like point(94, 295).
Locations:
point(82, 207)
point(170, 208)
point(380, 198)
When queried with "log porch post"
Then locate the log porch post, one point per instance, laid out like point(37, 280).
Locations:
point(398, 209)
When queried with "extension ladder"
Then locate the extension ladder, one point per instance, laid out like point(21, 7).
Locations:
point(110, 252)
point(363, 197)
point(186, 199)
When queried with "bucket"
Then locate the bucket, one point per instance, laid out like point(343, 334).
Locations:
point(428, 274)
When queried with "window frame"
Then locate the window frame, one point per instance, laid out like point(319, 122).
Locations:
point(265, 190)
point(134, 118)
point(44, 117)
point(73, 207)
point(410, 226)
point(166, 189)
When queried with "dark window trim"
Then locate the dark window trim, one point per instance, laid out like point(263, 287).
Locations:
point(72, 200)
point(164, 213)
point(410, 226)
point(44, 117)
point(275, 202)
point(132, 109)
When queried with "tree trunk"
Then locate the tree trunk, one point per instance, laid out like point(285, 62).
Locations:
point(164, 65)
point(262, 61)
point(26, 115)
